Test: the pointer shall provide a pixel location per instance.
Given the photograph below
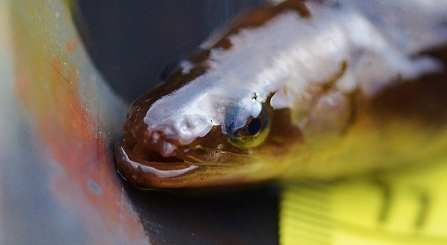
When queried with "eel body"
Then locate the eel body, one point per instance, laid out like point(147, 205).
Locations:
point(297, 90)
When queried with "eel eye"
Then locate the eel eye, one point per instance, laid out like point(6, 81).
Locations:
point(254, 126)
point(252, 133)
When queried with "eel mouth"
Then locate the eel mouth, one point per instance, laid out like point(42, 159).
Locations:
point(147, 168)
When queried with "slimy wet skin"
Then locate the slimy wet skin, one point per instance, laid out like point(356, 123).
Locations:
point(297, 90)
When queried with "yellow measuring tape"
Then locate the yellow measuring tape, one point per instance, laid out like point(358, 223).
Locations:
point(406, 206)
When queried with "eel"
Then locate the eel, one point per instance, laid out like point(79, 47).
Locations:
point(296, 90)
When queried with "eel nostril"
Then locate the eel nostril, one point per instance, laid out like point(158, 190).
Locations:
point(156, 136)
